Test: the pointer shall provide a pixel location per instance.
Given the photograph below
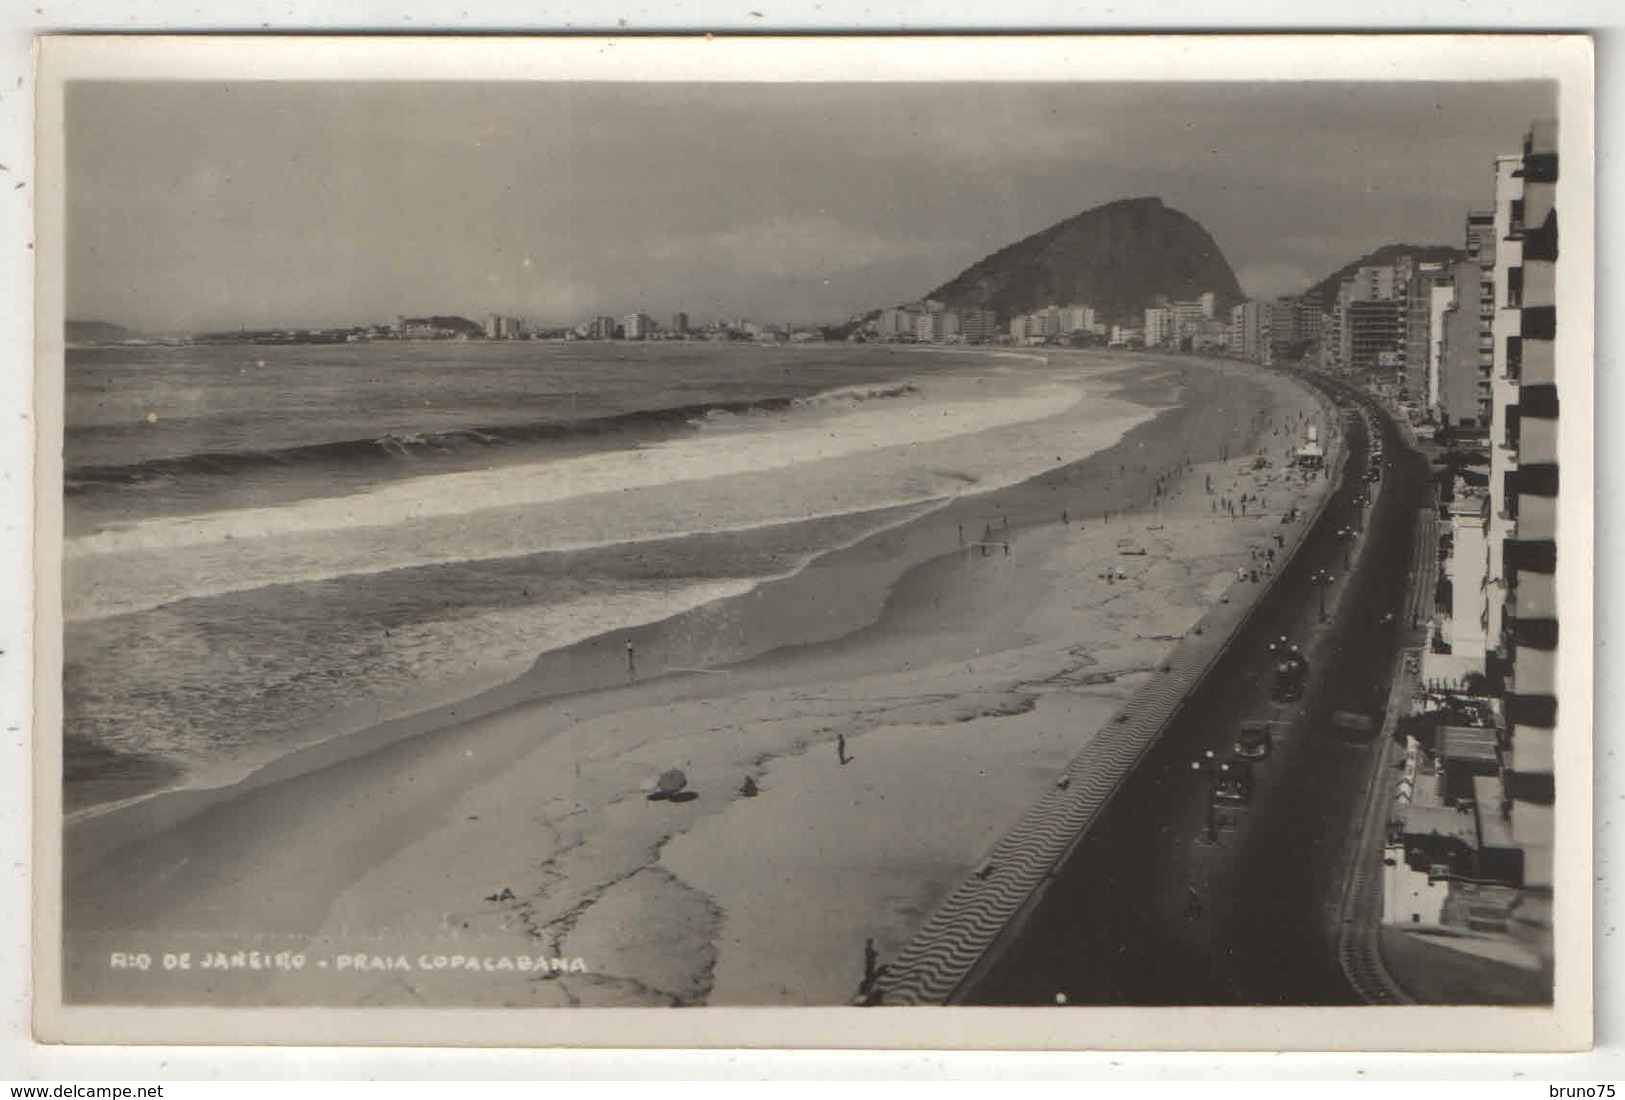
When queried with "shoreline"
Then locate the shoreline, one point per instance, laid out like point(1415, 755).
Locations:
point(539, 680)
point(870, 598)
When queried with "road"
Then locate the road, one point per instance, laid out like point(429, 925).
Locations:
point(1145, 912)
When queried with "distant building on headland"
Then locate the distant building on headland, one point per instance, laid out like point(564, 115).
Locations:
point(438, 328)
point(1185, 324)
point(499, 327)
point(1058, 324)
point(1159, 326)
point(978, 326)
point(1248, 334)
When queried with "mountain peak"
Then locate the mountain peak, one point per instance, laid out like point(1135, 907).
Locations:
point(1121, 258)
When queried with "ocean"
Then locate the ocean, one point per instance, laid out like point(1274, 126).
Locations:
point(269, 546)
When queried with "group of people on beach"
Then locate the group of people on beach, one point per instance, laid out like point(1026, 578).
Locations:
point(1238, 505)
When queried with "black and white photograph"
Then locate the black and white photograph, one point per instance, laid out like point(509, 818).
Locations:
point(889, 527)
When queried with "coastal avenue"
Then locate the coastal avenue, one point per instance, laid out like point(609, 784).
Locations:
point(1144, 911)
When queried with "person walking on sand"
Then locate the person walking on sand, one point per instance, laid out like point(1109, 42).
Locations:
point(631, 660)
point(840, 749)
point(871, 964)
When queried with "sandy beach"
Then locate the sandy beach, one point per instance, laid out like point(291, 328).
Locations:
point(892, 709)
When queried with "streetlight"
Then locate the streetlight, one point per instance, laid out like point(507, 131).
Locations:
point(1206, 765)
point(1321, 580)
point(1347, 535)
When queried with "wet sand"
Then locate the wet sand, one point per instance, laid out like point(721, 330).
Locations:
point(515, 829)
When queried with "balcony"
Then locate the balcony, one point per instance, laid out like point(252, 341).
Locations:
point(1536, 595)
point(1537, 439)
point(1531, 756)
point(1534, 480)
point(1538, 363)
point(1540, 323)
point(1529, 556)
point(1540, 168)
point(1537, 519)
point(1535, 673)
point(1540, 244)
point(1538, 402)
point(1531, 710)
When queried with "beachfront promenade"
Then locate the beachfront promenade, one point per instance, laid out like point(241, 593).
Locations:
point(1108, 893)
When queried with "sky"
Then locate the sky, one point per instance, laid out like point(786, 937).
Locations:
point(209, 205)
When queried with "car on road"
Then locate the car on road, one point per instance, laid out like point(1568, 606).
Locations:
point(1373, 475)
point(1254, 740)
point(1291, 670)
point(1233, 785)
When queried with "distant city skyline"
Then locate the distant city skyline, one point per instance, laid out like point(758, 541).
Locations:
point(210, 206)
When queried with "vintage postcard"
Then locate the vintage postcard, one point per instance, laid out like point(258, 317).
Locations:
point(1035, 543)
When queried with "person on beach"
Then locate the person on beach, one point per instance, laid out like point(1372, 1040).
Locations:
point(631, 660)
point(871, 964)
point(840, 749)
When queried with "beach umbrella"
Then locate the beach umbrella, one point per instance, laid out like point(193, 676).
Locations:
point(672, 781)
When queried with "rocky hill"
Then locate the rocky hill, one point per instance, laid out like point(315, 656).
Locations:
point(96, 332)
point(1120, 258)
